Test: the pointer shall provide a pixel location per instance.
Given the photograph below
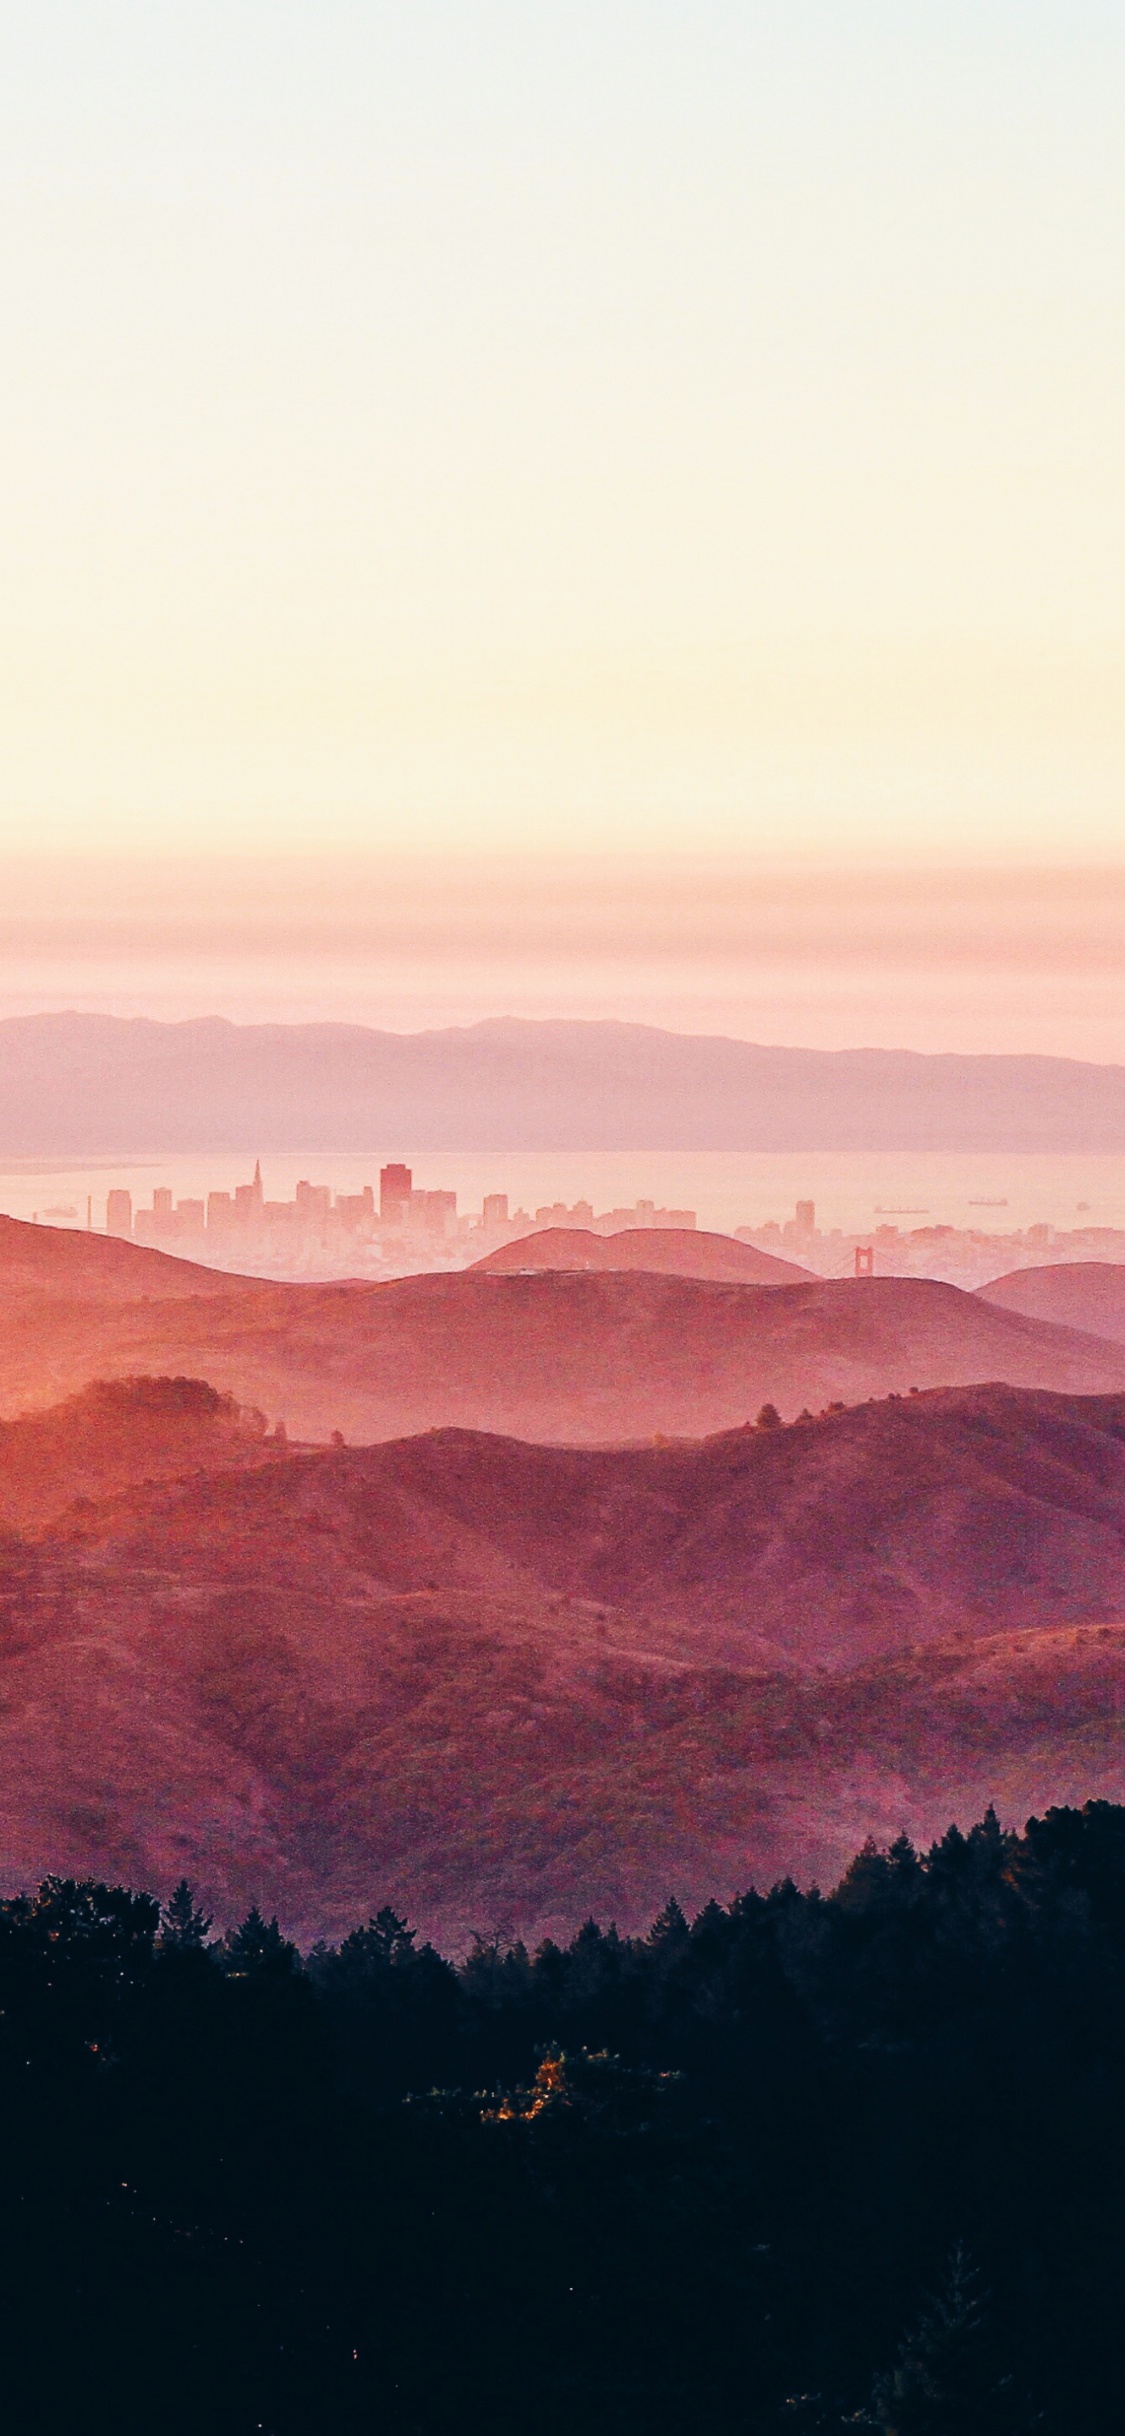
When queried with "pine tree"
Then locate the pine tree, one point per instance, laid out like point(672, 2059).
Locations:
point(181, 1923)
point(945, 2381)
point(258, 1946)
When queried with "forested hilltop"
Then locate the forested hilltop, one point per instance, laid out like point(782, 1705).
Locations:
point(802, 2158)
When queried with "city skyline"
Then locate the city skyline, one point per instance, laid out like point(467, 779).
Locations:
point(408, 1229)
point(407, 1225)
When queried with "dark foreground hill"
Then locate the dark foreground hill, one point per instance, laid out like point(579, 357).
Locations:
point(559, 1355)
point(661, 1251)
point(803, 2164)
point(1087, 1294)
point(504, 1683)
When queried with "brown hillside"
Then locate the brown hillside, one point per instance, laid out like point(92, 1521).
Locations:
point(558, 1355)
point(662, 1251)
point(1087, 1294)
point(826, 1543)
point(486, 1681)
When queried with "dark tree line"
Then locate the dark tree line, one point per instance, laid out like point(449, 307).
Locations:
point(804, 2163)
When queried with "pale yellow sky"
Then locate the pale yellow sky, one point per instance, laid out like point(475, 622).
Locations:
point(631, 426)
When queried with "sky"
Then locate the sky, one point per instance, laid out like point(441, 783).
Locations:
point(613, 506)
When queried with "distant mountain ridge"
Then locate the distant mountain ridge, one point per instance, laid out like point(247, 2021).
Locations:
point(77, 1084)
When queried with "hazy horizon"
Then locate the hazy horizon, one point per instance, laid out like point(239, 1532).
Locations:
point(802, 953)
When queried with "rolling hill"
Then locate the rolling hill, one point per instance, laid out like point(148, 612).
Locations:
point(827, 1543)
point(1087, 1294)
point(77, 1267)
point(491, 1682)
point(660, 1251)
point(576, 1356)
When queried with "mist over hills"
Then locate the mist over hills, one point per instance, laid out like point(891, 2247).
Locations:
point(576, 1356)
point(77, 1085)
point(486, 1681)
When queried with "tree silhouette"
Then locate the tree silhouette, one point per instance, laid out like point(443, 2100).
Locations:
point(181, 1923)
point(944, 2382)
point(258, 1946)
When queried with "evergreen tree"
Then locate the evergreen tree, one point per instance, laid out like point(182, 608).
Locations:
point(182, 1924)
point(944, 2382)
point(258, 1947)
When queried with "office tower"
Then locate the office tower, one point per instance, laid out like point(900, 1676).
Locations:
point(162, 1202)
point(119, 1213)
point(495, 1211)
point(248, 1199)
point(395, 1184)
point(433, 1213)
point(806, 1216)
point(355, 1210)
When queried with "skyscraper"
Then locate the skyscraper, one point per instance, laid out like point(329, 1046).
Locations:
point(395, 1184)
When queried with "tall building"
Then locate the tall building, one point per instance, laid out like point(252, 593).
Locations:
point(248, 1198)
point(395, 1186)
point(356, 1210)
point(806, 1216)
point(495, 1211)
point(434, 1213)
point(119, 1213)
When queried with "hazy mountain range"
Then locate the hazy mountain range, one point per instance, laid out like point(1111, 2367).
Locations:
point(83, 1085)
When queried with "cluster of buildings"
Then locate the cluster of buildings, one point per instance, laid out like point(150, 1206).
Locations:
point(407, 1228)
point(331, 1234)
point(962, 1256)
